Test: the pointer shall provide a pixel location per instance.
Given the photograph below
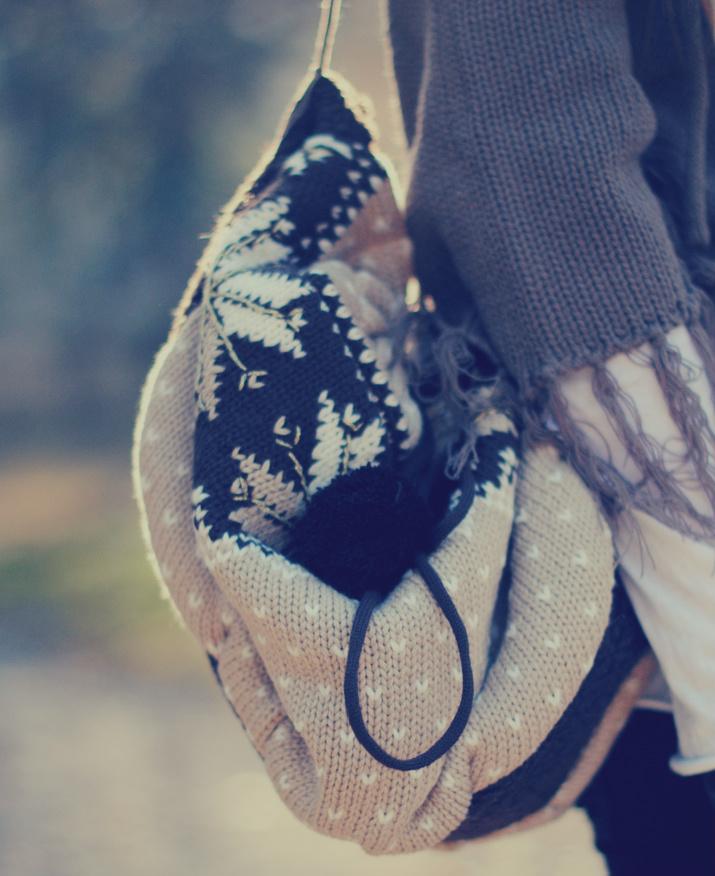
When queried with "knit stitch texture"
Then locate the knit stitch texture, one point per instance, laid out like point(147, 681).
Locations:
point(278, 636)
point(560, 206)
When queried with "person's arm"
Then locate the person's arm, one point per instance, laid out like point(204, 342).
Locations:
point(528, 207)
point(527, 133)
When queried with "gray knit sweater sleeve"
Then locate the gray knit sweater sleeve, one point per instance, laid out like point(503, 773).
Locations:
point(526, 125)
point(533, 219)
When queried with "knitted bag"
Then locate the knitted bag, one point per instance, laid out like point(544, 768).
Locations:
point(481, 691)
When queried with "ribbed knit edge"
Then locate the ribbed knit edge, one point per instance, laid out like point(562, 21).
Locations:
point(606, 278)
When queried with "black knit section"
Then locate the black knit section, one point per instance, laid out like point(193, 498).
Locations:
point(296, 385)
point(321, 109)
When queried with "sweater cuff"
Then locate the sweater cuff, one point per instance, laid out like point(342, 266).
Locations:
point(692, 766)
point(639, 428)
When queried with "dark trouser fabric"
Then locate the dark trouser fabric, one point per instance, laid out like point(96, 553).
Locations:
point(647, 820)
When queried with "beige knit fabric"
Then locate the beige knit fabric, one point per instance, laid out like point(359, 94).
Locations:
point(280, 635)
point(591, 758)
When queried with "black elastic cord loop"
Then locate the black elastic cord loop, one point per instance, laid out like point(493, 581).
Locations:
point(357, 639)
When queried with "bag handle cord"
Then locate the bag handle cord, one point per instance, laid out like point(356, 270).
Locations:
point(367, 605)
point(325, 39)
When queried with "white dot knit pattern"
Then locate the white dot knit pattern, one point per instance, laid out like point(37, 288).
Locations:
point(279, 637)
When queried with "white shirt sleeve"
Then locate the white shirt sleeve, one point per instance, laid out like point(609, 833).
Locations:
point(669, 577)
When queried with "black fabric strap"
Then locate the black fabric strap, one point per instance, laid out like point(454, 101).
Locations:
point(357, 638)
point(325, 38)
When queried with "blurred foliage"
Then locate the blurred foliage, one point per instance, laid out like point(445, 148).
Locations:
point(124, 125)
point(74, 578)
point(84, 590)
point(92, 594)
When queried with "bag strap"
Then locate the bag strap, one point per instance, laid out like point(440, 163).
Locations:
point(325, 38)
point(367, 605)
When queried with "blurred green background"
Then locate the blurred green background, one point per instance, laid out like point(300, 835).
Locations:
point(124, 126)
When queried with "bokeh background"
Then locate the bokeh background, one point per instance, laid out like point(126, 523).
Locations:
point(124, 126)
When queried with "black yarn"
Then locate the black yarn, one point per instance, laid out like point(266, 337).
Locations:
point(362, 532)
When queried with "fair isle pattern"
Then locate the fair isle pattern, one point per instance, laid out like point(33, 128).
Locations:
point(289, 393)
point(277, 635)
point(300, 401)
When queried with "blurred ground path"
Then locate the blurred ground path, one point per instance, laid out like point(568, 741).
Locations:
point(108, 773)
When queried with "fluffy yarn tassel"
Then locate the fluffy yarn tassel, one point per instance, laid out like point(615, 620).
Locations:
point(663, 491)
point(454, 373)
